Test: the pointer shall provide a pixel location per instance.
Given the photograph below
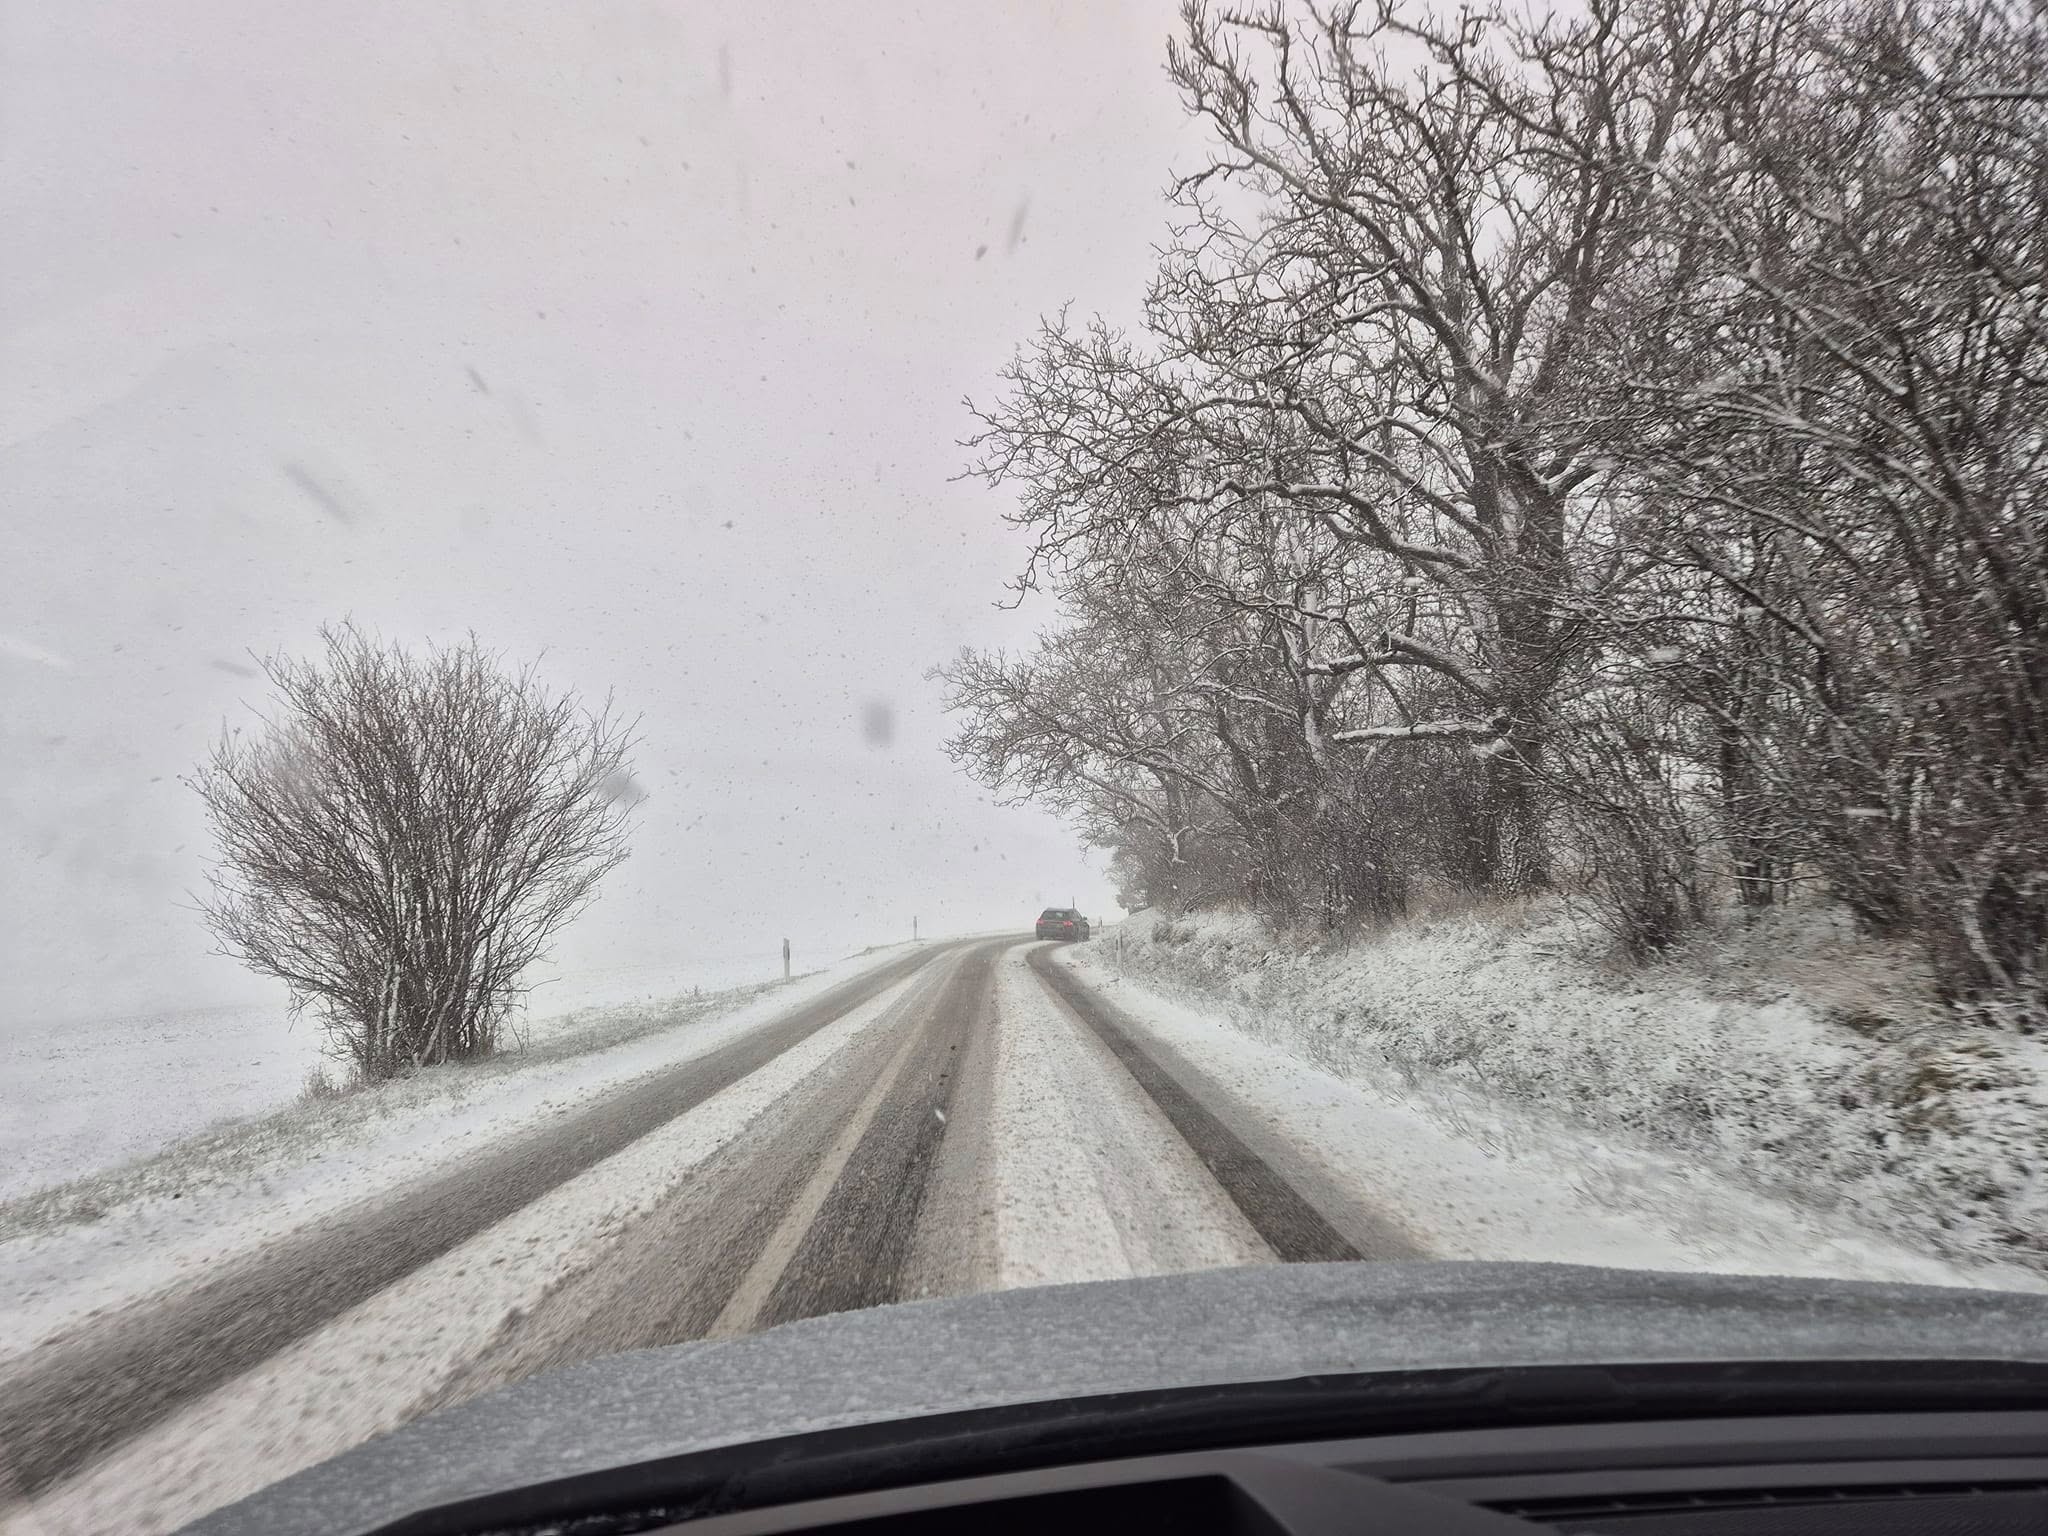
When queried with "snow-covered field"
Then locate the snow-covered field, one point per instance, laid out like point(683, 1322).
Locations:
point(82, 1097)
point(1791, 1059)
point(113, 1236)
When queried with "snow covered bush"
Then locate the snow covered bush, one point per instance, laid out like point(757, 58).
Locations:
point(404, 835)
point(1790, 1052)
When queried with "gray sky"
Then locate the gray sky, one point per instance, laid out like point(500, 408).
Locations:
point(633, 333)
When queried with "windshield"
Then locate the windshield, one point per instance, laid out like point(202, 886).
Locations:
point(576, 574)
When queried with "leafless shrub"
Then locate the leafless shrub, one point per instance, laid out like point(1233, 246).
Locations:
point(403, 835)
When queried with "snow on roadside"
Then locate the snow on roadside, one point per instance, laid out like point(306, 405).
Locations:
point(115, 1237)
point(1755, 1126)
point(86, 1095)
point(1477, 1181)
point(1091, 1181)
point(575, 994)
point(380, 1363)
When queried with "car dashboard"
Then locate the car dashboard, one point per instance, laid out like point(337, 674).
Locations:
point(1954, 1448)
point(1958, 1475)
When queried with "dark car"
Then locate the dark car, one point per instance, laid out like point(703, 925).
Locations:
point(1062, 923)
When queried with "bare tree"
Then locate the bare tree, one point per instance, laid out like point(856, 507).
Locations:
point(1378, 317)
point(404, 834)
point(1845, 431)
point(1600, 446)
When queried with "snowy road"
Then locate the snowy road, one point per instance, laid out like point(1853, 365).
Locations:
point(82, 1393)
point(959, 1118)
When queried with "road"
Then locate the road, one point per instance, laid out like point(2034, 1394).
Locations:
point(969, 1104)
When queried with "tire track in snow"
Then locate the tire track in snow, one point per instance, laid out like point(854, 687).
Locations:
point(726, 1244)
point(1296, 1231)
point(857, 1251)
point(1085, 1177)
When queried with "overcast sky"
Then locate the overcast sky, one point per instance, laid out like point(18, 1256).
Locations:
point(629, 333)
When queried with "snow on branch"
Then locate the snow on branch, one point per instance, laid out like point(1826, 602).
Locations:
point(1406, 650)
point(1429, 730)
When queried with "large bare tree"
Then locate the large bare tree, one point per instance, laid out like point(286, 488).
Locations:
point(1598, 445)
point(402, 835)
point(1843, 427)
point(1379, 316)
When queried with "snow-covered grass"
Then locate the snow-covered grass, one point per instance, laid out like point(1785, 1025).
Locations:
point(84, 1096)
point(1791, 1055)
point(1462, 1176)
point(116, 1235)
